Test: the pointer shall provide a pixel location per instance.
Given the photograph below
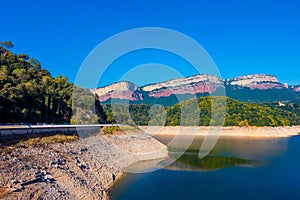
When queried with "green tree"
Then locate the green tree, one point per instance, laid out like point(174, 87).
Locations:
point(6, 44)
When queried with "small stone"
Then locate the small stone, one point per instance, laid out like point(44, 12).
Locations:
point(14, 181)
point(60, 162)
point(113, 176)
point(44, 172)
point(77, 161)
point(72, 152)
point(48, 178)
point(17, 188)
point(81, 166)
point(5, 158)
point(38, 174)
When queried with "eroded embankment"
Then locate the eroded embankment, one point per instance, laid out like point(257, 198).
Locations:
point(80, 169)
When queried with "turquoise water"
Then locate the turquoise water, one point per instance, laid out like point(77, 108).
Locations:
point(235, 169)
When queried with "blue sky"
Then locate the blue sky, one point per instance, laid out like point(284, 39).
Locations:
point(242, 37)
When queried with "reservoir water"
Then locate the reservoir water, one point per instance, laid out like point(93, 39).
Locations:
point(236, 168)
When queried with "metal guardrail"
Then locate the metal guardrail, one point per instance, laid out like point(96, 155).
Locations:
point(6, 131)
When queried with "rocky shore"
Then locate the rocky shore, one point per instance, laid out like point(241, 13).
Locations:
point(85, 167)
point(80, 169)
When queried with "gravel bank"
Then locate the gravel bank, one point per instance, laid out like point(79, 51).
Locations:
point(83, 169)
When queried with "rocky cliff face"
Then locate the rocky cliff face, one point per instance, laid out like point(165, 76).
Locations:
point(256, 81)
point(199, 84)
point(295, 88)
point(120, 90)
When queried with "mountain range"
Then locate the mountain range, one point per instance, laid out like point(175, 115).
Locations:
point(258, 88)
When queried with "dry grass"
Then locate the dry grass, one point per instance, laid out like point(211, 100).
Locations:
point(8, 145)
point(115, 130)
point(52, 139)
point(109, 130)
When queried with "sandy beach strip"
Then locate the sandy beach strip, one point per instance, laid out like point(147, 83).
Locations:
point(234, 131)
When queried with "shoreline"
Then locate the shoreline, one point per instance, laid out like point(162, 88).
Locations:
point(235, 131)
point(88, 167)
point(81, 169)
point(228, 131)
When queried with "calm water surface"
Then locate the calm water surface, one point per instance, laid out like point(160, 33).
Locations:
point(235, 169)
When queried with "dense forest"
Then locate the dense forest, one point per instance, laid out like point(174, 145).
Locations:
point(199, 112)
point(29, 94)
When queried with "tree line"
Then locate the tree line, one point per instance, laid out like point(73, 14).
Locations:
point(29, 94)
point(198, 112)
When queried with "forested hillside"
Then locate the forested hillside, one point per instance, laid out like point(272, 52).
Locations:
point(28, 93)
point(198, 112)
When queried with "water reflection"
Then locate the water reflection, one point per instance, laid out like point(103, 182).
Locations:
point(228, 152)
point(237, 168)
point(190, 161)
point(245, 148)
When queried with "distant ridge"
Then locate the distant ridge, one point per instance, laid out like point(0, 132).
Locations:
point(252, 88)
